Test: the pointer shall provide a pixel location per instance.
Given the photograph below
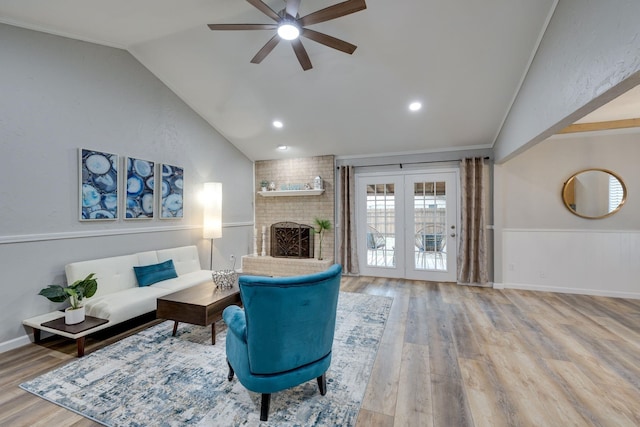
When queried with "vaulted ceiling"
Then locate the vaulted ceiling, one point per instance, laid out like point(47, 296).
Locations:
point(464, 60)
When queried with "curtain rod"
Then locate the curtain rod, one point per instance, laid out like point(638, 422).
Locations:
point(414, 163)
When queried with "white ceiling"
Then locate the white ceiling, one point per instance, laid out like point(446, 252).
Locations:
point(463, 59)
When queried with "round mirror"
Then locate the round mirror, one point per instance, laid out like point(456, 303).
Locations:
point(594, 193)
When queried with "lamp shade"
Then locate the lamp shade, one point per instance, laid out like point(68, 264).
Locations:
point(212, 198)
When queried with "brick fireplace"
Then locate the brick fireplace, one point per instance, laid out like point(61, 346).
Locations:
point(281, 267)
point(298, 209)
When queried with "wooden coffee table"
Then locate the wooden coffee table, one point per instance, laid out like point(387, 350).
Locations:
point(199, 305)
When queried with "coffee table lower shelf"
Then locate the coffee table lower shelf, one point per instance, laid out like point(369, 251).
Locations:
point(54, 323)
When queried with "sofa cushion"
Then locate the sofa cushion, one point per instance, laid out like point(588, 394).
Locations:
point(147, 258)
point(185, 281)
point(124, 305)
point(154, 273)
point(185, 258)
point(113, 274)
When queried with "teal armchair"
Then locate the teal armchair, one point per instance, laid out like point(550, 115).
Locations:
point(283, 336)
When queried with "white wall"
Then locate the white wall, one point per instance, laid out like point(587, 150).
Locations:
point(541, 245)
point(59, 95)
point(590, 54)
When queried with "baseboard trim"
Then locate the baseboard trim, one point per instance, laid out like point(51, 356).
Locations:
point(15, 343)
point(566, 290)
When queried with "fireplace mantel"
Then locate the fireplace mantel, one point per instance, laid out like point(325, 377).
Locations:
point(281, 193)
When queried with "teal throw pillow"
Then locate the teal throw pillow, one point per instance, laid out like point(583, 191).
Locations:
point(154, 273)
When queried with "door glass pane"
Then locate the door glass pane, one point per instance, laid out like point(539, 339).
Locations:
point(429, 204)
point(381, 213)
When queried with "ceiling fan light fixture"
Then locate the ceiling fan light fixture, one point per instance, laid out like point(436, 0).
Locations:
point(289, 25)
point(288, 30)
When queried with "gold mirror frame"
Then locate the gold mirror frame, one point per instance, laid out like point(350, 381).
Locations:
point(567, 187)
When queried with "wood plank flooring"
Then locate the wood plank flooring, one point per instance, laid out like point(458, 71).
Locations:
point(450, 356)
point(464, 356)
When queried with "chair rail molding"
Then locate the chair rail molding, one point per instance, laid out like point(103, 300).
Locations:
point(41, 237)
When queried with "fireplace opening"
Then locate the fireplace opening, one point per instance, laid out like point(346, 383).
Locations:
point(291, 240)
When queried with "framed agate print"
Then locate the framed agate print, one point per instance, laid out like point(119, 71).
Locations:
point(98, 173)
point(171, 191)
point(139, 202)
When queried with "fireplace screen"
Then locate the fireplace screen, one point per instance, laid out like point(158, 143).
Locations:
point(291, 240)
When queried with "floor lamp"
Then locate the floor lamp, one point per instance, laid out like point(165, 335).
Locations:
point(212, 218)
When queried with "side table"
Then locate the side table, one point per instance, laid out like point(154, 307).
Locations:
point(54, 323)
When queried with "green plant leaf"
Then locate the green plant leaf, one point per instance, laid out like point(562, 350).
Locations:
point(90, 286)
point(323, 224)
point(54, 293)
point(82, 288)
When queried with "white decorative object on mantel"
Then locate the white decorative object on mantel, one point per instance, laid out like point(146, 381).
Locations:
point(317, 183)
point(255, 241)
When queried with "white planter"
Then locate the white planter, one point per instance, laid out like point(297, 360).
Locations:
point(71, 317)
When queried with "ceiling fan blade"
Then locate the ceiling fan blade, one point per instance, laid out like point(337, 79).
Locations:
point(242, 26)
point(262, 7)
point(266, 49)
point(292, 7)
point(332, 12)
point(301, 54)
point(332, 42)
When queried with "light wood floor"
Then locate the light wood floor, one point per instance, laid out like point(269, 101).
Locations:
point(450, 356)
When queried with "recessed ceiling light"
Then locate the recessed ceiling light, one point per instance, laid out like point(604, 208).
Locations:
point(277, 124)
point(415, 106)
point(282, 147)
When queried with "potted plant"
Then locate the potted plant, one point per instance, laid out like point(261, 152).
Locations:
point(322, 226)
point(263, 184)
point(83, 288)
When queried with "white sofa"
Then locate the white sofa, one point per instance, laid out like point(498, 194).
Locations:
point(119, 297)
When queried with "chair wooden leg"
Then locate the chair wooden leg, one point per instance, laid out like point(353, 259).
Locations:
point(264, 406)
point(322, 383)
point(230, 376)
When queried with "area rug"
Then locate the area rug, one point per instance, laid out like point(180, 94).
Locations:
point(155, 379)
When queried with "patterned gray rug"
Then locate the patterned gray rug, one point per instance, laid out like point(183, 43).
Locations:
point(154, 379)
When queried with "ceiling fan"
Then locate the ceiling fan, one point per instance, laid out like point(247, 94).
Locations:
point(290, 26)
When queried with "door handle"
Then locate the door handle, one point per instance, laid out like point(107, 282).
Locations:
point(453, 234)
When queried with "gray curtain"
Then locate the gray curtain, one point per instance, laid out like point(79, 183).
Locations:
point(347, 254)
point(472, 254)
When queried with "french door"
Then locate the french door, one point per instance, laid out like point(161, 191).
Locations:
point(407, 225)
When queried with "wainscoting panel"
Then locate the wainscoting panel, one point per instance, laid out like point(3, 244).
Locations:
point(587, 262)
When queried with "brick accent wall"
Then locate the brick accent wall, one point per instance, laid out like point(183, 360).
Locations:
point(300, 209)
point(280, 267)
